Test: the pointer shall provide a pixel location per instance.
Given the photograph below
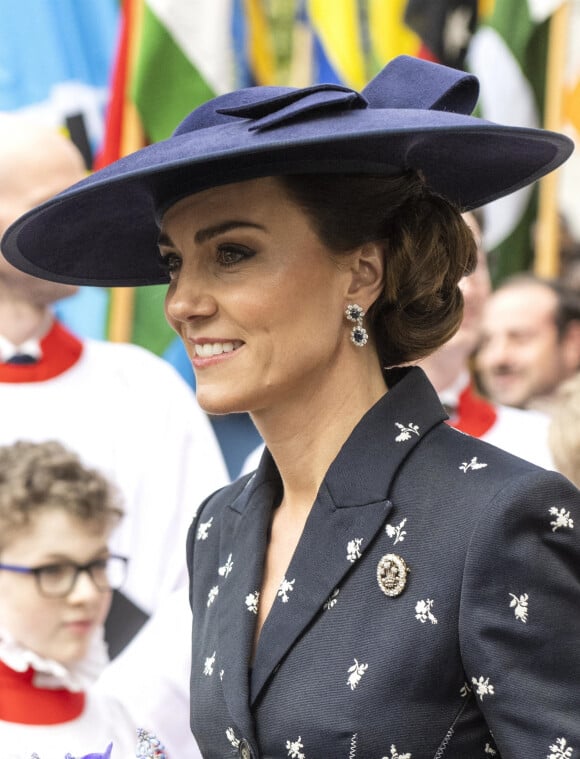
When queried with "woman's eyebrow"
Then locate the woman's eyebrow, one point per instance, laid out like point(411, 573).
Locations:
point(203, 235)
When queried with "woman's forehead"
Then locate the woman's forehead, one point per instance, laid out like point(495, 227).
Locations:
point(262, 186)
point(255, 199)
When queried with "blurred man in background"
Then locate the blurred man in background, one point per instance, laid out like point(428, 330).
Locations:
point(523, 433)
point(530, 341)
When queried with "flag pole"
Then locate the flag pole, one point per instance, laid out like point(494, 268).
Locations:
point(547, 253)
point(122, 300)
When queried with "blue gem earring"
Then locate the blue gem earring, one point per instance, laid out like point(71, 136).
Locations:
point(358, 334)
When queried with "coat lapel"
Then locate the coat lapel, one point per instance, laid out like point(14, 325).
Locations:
point(321, 560)
point(350, 510)
point(243, 540)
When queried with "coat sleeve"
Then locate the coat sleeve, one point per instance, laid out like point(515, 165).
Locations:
point(520, 617)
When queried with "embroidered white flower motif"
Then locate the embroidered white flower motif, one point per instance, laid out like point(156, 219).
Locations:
point(563, 519)
point(212, 595)
point(231, 736)
point(521, 606)
point(294, 747)
point(406, 432)
point(252, 600)
point(397, 531)
point(423, 611)
point(285, 587)
point(395, 754)
point(472, 465)
point(465, 690)
point(560, 750)
point(208, 665)
point(355, 674)
point(227, 567)
point(489, 750)
point(221, 674)
point(353, 551)
point(483, 687)
point(331, 600)
point(203, 529)
point(353, 746)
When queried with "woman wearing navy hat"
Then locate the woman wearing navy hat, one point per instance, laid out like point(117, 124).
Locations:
point(382, 586)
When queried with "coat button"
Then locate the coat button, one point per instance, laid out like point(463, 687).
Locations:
point(244, 749)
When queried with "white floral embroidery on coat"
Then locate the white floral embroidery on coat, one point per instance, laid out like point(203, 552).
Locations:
point(221, 674)
point(489, 750)
point(406, 432)
point(560, 750)
point(483, 687)
point(423, 611)
point(231, 736)
point(203, 529)
point(285, 587)
point(472, 465)
point(294, 747)
point(520, 606)
point(355, 674)
point(208, 665)
point(353, 746)
point(563, 519)
point(353, 551)
point(212, 595)
point(252, 600)
point(227, 567)
point(332, 599)
point(396, 532)
point(465, 690)
point(395, 754)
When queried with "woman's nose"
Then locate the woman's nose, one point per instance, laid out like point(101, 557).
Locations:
point(188, 299)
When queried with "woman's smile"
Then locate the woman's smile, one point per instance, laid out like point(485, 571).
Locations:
point(205, 348)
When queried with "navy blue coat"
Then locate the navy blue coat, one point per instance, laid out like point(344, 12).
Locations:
point(477, 656)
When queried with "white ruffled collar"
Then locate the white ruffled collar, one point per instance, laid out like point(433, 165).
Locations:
point(49, 673)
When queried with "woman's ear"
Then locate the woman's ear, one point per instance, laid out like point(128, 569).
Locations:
point(367, 274)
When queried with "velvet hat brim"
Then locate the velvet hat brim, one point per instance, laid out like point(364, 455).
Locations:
point(413, 115)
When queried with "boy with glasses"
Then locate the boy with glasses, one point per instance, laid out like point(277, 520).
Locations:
point(56, 579)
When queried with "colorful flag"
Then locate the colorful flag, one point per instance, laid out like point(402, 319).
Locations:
point(253, 45)
point(184, 58)
point(388, 33)
point(328, 44)
point(55, 63)
point(508, 55)
point(445, 28)
point(570, 172)
point(172, 56)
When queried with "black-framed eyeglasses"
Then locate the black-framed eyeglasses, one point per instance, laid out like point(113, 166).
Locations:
point(57, 580)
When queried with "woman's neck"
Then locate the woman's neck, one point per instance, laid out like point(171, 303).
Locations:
point(305, 436)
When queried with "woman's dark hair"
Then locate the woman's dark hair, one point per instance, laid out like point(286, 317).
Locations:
point(427, 245)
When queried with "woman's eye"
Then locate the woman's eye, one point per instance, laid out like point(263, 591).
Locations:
point(229, 255)
point(171, 263)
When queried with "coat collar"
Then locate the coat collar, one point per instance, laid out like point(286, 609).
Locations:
point(352, 505)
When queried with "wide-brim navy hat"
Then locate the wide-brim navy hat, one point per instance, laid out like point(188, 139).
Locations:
point(413, 115)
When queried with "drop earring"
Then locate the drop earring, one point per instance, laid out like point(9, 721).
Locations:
point(358, 334)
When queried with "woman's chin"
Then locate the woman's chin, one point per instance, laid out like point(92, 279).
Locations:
point(219, 404)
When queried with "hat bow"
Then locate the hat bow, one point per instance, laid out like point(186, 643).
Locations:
point(454, 91)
